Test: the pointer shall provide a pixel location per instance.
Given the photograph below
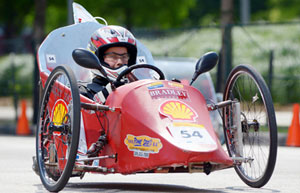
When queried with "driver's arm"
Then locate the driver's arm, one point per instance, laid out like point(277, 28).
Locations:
point(102, 95)
point(95, 91)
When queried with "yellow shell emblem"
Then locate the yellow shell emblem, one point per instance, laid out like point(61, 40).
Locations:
point(59, 112)
point(177, 110)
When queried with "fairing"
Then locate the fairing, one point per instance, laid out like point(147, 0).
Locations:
point(148, 134)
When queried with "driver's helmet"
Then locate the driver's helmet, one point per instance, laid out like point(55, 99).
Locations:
point(112, 36)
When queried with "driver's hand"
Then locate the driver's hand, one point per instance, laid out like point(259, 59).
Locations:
point(118, 83)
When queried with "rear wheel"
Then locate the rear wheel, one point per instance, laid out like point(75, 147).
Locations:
point(58, 129)
point(256, 142)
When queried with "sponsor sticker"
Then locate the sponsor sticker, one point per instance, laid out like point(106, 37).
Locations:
point(59, 112)
point(141, 154)
point(142, 146)
point(155, 85)
point(178, 111)
point(168, 93)
point(175, 84)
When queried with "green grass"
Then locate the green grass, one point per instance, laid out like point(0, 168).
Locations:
point(282, 129)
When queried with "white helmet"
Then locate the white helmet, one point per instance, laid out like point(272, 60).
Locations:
point(112, 36)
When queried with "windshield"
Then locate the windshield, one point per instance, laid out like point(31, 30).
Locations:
point(145, 73)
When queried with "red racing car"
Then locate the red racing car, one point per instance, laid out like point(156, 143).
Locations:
point(149, 124)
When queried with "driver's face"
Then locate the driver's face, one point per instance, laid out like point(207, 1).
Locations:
point(116, 56)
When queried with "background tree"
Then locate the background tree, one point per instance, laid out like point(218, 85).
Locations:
point(158, 14)
point(13, 15)
point(12, 20)
point(282, 10)
point(135, 13)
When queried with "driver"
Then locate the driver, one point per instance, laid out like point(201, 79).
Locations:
point(116, 49)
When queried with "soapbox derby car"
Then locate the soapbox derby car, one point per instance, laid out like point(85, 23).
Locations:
point(149, 124)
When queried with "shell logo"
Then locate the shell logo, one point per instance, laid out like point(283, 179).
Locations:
point(59, 112)
point(177, 110)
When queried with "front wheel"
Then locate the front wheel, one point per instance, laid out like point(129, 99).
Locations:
point(255, 143)
point(58, 129)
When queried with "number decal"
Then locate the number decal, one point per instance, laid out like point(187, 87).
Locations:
point(186, 134)
point(51, 58)
point(191, 135)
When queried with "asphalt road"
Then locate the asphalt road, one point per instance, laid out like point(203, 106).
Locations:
point(16, 175)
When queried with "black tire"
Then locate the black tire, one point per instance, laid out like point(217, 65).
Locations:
point(258, 123)
point(57, 133)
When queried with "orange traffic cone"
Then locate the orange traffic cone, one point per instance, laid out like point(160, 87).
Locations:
point(23, 125)
point(293, 138)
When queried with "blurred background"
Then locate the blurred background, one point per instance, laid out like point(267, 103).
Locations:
point(264, 34)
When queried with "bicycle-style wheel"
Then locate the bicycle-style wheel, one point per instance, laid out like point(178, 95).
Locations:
point(58, 129)
point(256, 142)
